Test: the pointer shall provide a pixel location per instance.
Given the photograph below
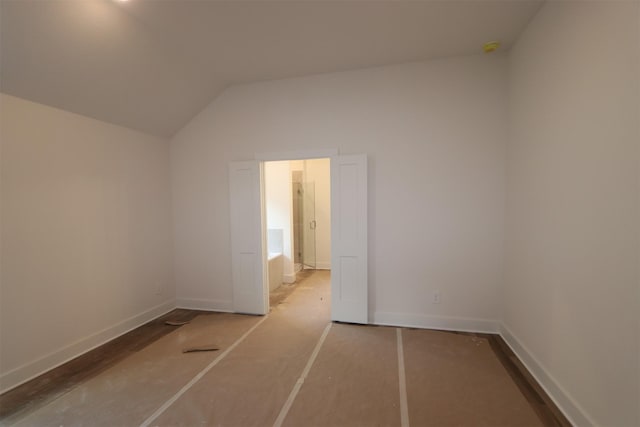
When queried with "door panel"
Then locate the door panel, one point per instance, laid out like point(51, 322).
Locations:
point(248, 273)
point(349, 281)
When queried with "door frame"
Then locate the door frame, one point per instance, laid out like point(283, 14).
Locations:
point(261, 158)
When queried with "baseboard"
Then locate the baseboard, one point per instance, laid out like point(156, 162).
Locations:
point(289, 278)
point(413, 320)
point(570, 408)
point(30, 370)
point(205, 304)
point(323, 266)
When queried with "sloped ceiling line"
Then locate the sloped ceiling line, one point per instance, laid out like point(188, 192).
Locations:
point(153, 65)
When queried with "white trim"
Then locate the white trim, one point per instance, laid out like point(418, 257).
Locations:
point(205, 304)
point(569, 407)
point(414, 320)
point(289, 278)
point(30, 370)
point(296, 155)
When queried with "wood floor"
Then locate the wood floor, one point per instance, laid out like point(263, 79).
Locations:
point(293, 367)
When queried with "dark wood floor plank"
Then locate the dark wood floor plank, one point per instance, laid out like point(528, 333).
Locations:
point(457, 380)
point(539, 400)
point(58, 381)
point(545, 408)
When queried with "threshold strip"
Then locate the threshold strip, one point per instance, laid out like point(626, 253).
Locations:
point(197, 378)
point(404, 406)
point(296, 388)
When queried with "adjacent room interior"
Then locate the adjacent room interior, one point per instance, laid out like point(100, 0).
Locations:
point(467, 174)
point(298, 222)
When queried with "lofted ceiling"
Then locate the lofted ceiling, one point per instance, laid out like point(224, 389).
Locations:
point(152, 65)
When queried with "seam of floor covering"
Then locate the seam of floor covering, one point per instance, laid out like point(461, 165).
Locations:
point(200, 374)
point(402, 382)
point(298, 385)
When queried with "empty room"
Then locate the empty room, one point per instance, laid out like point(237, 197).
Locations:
point(320, 213)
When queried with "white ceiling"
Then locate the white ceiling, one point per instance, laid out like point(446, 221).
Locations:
point(152, 65)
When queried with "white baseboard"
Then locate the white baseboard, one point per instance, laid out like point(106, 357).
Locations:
point(569, 407)
point(205, 304)
point(289, 278)
point(413, 320)
point(30, 370)
point(323, 266)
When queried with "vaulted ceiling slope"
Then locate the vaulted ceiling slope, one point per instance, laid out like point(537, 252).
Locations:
point(152, 65)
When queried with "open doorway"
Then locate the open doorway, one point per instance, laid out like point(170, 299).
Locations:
point(297, 229)
point(248, 230)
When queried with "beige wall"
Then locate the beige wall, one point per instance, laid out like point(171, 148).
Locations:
point(435, 135)
point(86, 245)
point(86, 207)
point(573, 217)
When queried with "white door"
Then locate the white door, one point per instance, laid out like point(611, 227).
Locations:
point(349, 289)
point(248, 272)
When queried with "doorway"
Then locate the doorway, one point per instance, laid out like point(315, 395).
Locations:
point(348, 241)
point(297, 209)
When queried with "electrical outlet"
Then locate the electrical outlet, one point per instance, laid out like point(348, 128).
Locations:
point(436, 297)
point(159, 289)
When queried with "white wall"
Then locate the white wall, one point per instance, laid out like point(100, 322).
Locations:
point(278, 194)
point(435, 135)
point(86, 243)
point(318, 172)
point(571, 296)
